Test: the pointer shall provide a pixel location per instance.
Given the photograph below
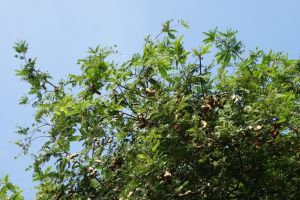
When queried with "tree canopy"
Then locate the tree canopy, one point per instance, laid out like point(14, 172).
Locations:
point(214, 122)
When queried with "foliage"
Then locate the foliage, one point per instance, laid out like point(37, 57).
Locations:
point(8, 191)
point(164, 125)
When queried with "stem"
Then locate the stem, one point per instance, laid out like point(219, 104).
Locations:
point(45, 79)
point(132, 117)
point(237, 55)
point(99, 181)
point(200, 73)
point(129, 105)
point(158, 35)
point(55, 87)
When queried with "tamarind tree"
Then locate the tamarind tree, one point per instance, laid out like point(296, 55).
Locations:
point(214, 122)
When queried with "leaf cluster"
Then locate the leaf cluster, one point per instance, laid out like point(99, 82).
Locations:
point(163, 125)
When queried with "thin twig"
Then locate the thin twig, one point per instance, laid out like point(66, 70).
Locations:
point(200, 73)
point(129, 105)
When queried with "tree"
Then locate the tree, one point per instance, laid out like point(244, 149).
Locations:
point(164, 125)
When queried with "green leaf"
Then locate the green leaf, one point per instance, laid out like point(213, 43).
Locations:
point(75, 138)
point(166, 26)
point(21, 47)
point(142, 157)
point(184, 23)
point(164, 74)
point(211, 36)
point(154, 147)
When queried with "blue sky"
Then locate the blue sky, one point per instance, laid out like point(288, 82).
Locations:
point(60, 32)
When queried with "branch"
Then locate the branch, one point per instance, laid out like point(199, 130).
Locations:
point(54, 86)
point(237, 55)
point(200, 73)
point(45, 79)
point(129, 105)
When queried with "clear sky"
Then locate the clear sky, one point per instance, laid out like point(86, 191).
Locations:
point(60, 31)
